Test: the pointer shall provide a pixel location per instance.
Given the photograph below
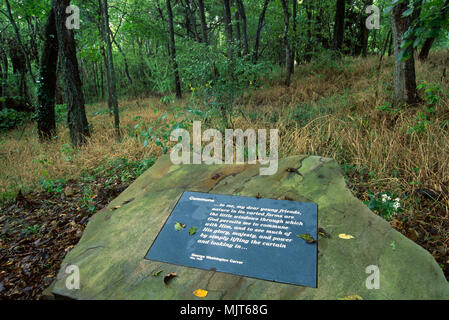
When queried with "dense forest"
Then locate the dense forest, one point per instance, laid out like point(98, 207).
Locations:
point(90, 91)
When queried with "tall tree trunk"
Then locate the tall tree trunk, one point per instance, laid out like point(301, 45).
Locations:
point(310, 30)
point(339, 27)
point(426, 49)
point(45, 110)
point(112, 90)
point(364, 30)
point(101, 28)
point(108, 79)
point(19, 40)
point(74, 97)
point(288, 51)
point(404, 71)
point(429, 41)
point(173, 50)
point(228, 26)
point(101, 82)
point(242, 14)
point(125, 61)
point(294, 13)
point(203, 21)
point(238, 35)
point(259, 31)
point(4, 71)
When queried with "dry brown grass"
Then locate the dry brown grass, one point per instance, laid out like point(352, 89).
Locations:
point(24, 160)
point(354, 132)
point(350, 130)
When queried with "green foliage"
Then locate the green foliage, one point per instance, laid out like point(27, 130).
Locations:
point(60, 113)
point(160, 129)
point(433, 94)
point(52, 186)
point(386, 204)
point(388, 108)
point(10, 118)
point(217, 82)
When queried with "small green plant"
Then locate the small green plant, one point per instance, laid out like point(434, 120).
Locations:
point(385, 204)
point(60, 113)
point(388, 108)
point(422, 123)
point(167, 100)
point(68, 151)
point(34, 229)
point(432, 92)
point(52, 186)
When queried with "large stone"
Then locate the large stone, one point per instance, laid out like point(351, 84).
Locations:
point(110, 255)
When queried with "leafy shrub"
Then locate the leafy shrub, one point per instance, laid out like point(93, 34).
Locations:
point(10, 118)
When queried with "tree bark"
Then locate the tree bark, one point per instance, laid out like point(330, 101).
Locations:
point(238, 35)
point(426, 49)
point(125, 61)
point(259, 31)
point(112, 89)
point(4, 71)
point(310, 30)
point(173, 50)
point(228, 26)
point(242, 14)
point(203, 21)
point(364, 30)
point(339, 27)
point(293, 53)
point(288, 52)
point(45, 110)
point(74, 97)
point(404, 71)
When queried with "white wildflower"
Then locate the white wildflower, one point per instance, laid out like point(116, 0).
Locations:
point(396, 205)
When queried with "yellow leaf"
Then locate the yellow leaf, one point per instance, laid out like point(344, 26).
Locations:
point(345, 236)
point(200, 293)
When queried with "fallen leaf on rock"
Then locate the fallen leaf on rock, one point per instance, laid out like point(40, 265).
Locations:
point(155, 274)
point(393, 245)
point(216, 176)
point(307, 237)
point(127, 201)
point(345, 236)
point(192, 230)
point(179, 226)
point(323, 233)
point(168, 277)
point(352, 297)
point(200, 293)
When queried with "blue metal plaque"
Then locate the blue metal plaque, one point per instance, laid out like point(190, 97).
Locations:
point(259, 238)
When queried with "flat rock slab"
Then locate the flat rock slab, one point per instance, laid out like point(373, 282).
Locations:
point(110, 254)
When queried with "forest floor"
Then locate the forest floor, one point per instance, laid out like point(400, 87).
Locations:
point(334, 109)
